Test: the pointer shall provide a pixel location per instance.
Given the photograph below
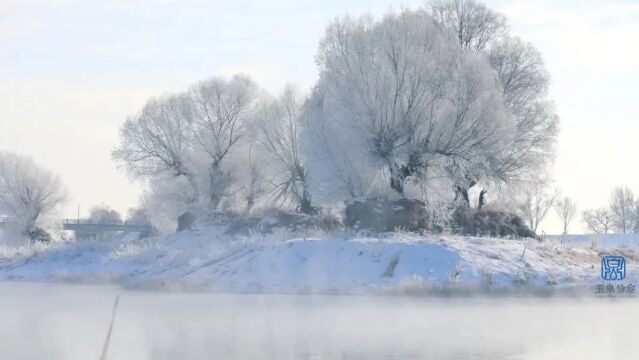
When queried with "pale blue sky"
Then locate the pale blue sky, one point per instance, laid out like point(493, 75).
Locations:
point(71, 71)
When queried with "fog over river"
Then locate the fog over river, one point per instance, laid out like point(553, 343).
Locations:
point(49, 321)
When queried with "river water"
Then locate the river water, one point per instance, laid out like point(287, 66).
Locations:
point(47, 321)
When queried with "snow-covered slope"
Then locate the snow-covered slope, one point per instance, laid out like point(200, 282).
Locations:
point(346, 264)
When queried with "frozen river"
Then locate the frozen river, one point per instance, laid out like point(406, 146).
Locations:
point(43, 321)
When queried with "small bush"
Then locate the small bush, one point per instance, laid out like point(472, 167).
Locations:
point(185, 221)
point(489, 223)
point(39, 235)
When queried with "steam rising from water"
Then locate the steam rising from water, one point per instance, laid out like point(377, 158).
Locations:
point(41, 321)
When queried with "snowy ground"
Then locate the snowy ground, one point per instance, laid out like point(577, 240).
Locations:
point(281, 263)
point(599, 240)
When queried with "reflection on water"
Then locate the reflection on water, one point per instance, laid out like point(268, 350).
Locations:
point(39, 321)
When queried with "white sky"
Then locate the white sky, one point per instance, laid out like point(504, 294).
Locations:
point(71, 71)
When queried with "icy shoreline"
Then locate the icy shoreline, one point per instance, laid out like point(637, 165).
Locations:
point(391, 263)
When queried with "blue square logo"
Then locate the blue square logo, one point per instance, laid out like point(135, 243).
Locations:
point(613, 268)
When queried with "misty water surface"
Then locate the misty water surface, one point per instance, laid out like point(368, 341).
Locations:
point(43, 321)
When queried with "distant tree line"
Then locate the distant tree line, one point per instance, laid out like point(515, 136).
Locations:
point(620, 216)
point(104, 214)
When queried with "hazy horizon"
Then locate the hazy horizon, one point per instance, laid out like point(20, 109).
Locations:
point(71, 71)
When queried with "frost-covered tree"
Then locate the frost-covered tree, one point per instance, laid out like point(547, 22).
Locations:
point(524, 83)
point(622, 209)
point(219, 110)
point(598, 221)
point(397, 95)
point(280, 131)
point(566, 210)
point(535, 202)
point(165, 198)
point(253, 181)
point(521, 71)
point(28, 192)
point(473, 24)
point(138, 216)
point(103, 214)
point(100, 214)
point(155, 142)
point(336, 166)
point(190, 135)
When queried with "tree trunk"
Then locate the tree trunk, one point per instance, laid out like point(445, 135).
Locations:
point(182, 171)
point(305, 204)
point(462, 193)
point(250, 202)
point(217, 186)
point(31, 224)
point(193, 199)
point(397, 177)
point(397, 185)
point(396, 181)
point(482, 199)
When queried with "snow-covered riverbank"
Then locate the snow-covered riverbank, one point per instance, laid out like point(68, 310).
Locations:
point(207, 259)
